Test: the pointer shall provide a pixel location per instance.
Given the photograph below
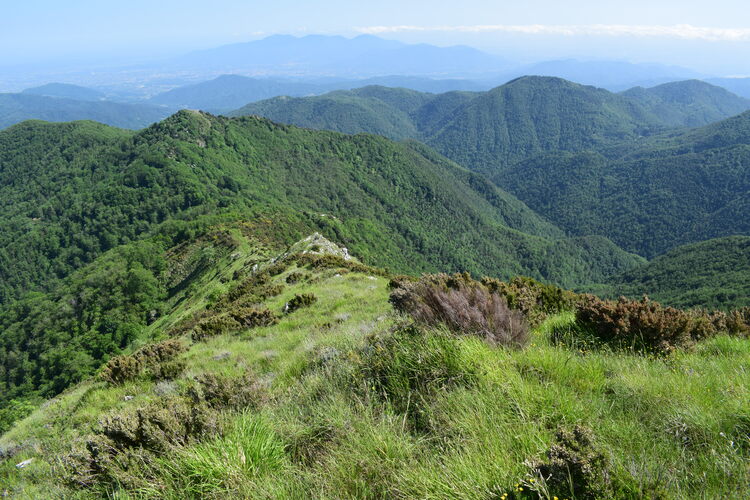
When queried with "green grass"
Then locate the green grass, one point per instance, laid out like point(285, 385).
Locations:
point(451, 417)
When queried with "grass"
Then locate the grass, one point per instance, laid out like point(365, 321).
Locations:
point(450, 417)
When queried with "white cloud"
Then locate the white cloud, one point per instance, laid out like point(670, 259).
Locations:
point(681, 31)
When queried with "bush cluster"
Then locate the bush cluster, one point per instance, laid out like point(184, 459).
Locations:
point(330, 261)
point(213, 326)
point(463, 305)
point(647, 326)
point(152, 357)
point(299, 301)
point(534, 299)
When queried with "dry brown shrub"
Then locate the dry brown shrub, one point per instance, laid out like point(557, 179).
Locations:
point(464, 306)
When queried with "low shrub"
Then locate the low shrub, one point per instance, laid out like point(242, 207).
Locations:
point(123, 368)
point(294, 277)
point(464, 306)
point(535, 300)
point(647, 326)
point(330, 261)
point(222, 392)
point(252, 317)
point(127, 443)
point(299, 301)
point(575, 468)
point(213, 326)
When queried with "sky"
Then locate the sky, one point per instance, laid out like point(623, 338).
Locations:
point(710, 36)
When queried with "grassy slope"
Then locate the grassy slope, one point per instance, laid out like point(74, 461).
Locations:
point(678, 426)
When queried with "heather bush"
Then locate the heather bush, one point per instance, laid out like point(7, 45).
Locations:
point(299, 301)
point(645, 325)
point(294, 277)
point(464, 306)
point(127, 443)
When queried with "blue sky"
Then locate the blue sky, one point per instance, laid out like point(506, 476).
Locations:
point(39, 30)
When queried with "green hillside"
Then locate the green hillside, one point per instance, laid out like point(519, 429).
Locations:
point(290, 375)
point(73, 191)
point(15, 108)
point(66, 90)
point(713, 273)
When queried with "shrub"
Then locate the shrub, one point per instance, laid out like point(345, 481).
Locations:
point(294, 277)
point(251, 317)
point(222, 392)
point(299, 301)
point(125, 446)
point(464, 306)
point(330, 261)
point(574, 468)
point(534, 299)
point(213, 326)
point(645, 325)
point(123, 368)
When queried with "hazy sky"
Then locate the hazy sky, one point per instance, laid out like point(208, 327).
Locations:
point(687, 32)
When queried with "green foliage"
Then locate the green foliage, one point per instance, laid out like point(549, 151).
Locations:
point(409, 367)
point(648, 196)
point(152, 357)
point(299, 301)
point(397, 206)
point(13, 410)
point(575, 468)
point(535, 300)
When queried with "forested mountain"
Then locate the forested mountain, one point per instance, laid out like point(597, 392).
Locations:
point(72, 191)
point(713, 273)
point(488, 131)
point(651, 197)
point(67, 91)
point(590, 161)
point(15, 108)
point(691, 103)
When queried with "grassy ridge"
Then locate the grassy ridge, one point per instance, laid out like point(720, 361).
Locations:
point(350, 407)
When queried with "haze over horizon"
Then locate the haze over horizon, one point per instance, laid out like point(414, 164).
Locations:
point(711, 39)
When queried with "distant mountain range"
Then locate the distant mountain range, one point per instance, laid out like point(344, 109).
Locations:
point(362, 56)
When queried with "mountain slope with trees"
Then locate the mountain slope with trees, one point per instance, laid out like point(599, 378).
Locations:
point(72, 191)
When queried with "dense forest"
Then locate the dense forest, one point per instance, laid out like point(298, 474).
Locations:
point(73, 191)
